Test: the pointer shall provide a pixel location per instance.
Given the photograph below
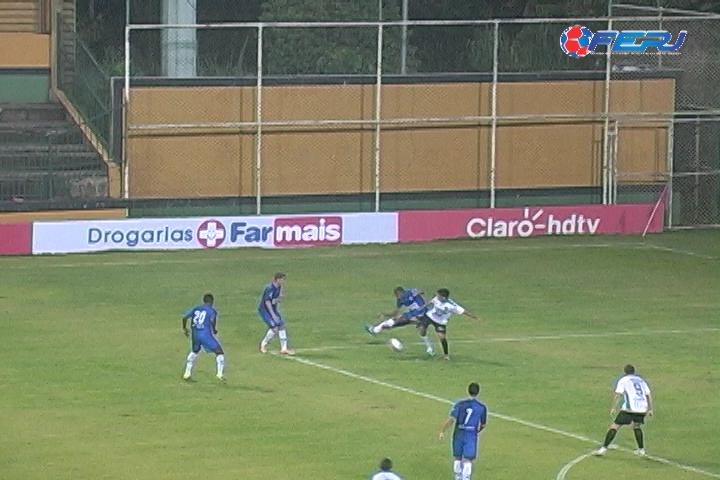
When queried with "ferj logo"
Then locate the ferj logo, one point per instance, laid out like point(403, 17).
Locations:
point(578, 41)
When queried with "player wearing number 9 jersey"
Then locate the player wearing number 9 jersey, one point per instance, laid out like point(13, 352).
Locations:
point(470, 417)
point(636, 404)
point(203, 328)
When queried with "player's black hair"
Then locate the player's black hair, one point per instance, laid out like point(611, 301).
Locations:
point(208, 298)
point(385, 464)
point(279, 275)
point(473, 389)
point(398, 290)
point(444, 292)
point(629, 369)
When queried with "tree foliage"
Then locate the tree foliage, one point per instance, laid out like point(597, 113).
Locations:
point(321, 50)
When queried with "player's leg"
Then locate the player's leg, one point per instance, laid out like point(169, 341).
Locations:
point(637, 430)
point(423, 324)
point(441, 331)
point(395, 322)
point(190, 360)
point(271, 331)
point(457, 468)
point(622, 419)
point(458, 445)
point(282, 333)
point(470, 449)
point(212, 344)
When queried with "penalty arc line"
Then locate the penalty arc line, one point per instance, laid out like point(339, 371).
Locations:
point(562, 473)
point(508, 418)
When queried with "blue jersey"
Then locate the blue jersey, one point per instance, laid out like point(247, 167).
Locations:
point(202, 318)
point(469, 415)
point(270, 294)
point(413, 300)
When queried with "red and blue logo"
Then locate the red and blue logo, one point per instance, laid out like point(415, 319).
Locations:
point(579, 41)
point(575, 41)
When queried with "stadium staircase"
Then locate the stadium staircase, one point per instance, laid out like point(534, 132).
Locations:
point(45, 156)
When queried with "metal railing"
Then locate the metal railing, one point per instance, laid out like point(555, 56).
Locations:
point(498, 52)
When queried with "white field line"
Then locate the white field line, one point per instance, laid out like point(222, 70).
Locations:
point(508, 418)
point(531, 338)
point(320, 253)
point(680, 251)
point(562, 473)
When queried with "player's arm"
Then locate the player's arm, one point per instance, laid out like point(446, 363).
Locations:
point(267, 301)
point(614, 404)
point(185, 319)
point(448, 421)
point(462, 311)
point(214, 324)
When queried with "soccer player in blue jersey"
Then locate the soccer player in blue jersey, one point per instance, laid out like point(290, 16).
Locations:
point(269, 311)
point(470, 417)
point(203, 328)
point(412, 299)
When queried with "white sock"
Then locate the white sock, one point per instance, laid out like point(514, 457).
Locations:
point(190, 362)
point(457, 469)
point(466, 471)
point(384, 324)
point(283, 339)
point(427, 342)
point(220, 359)
point(268, 336)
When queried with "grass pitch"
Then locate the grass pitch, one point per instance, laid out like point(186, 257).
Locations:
point(93, 353)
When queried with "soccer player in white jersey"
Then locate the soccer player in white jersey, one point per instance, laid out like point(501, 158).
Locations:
point(440, 309)
point(636, 404)
point(385, 472)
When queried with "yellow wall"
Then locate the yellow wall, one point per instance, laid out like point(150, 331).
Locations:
point(53, 215)
point(18, 50)
point(421, 155)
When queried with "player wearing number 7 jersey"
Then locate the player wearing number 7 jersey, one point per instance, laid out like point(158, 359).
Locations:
point(636, 404)
point(470, 417)
point(203, 326)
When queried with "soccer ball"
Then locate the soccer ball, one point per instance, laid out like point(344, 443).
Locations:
point(396, 345)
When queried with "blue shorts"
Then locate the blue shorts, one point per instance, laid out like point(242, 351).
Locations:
point(269, 321)
point(465, 445)
point(205, 340)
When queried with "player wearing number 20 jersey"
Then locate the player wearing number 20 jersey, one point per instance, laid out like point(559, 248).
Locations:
point(203, 328)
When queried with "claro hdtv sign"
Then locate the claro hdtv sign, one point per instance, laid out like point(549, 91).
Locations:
point(210, 233)
point(422, 226)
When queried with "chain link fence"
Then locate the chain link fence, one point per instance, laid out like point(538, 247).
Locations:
point(361, 118)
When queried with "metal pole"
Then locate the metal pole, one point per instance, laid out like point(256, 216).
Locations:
point(403, 46)
point(125, 108)
point(671, 168)
point(660, 27)
point(606, 131)
point(378, 113)
point(697, 172)
point(258, 119)
point(613, 160)
point(493, 113)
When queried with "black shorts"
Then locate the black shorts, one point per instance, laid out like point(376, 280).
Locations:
point(626, 418)
point(426, 322)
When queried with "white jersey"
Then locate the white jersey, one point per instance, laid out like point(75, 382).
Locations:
point(440, 311)
point(385, 476)
point(635, 393)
